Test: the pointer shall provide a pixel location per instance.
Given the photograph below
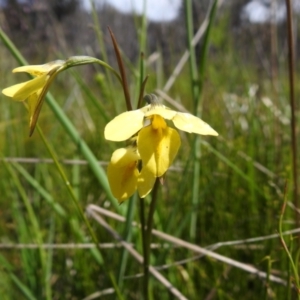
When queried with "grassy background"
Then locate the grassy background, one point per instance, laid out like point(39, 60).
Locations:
point(241, 181)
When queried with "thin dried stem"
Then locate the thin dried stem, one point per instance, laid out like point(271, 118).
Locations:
point(122, 71)
point(293, 108)
point(198, 249)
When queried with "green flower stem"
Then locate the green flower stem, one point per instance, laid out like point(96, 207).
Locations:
point(194, 78)
point(151, 213)
point(195, 187)
point(197, 80)
point(101, 42)
point(198, 104)
point(141, 28)
point(146, 235)
point(79, 210)
point(75, 61)
point(11, 47)
point(204, 50)
point(294, 268)
point(143, 231)
point(192, 58)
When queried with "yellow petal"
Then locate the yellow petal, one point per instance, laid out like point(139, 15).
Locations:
point(158, 122)
point(160, 110)
point(158, 148)
point(122, 177)
point(124, 156)
point(146, 182)
point(22, 91)
point(124, 126)
point(38, 70)
point(190, 123)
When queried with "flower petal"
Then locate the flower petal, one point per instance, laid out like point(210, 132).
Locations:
point(158, 148)
point(124, 126)
point(122, 176)
point(124, 156)
point(38, 70)
point(160, 110)
point(22, 91)
point(190, 123)
point(122, 181)
point(146, 182)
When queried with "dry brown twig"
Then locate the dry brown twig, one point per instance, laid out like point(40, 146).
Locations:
point(95, 212)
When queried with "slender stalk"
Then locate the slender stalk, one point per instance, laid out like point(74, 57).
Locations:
point(81, 60)
point(146, 235)
point(141, 28)
point(192, 58)
point(171, 289)
point(288, 252)
point(141, 76)
point(197, 80)
point(141, 95)
point(143, 231)
point(293, 108)
point(195, 93)
point(151, 213)
point(204, 50)
point(101, 42)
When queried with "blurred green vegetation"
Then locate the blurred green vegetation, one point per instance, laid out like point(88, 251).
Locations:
point(242, 178)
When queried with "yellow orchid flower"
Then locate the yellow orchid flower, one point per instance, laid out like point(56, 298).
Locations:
point(157, 143)
point(122, 173)
point(127, 124)
point(35, 89)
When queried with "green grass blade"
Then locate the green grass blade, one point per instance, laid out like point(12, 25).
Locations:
point(204, 50)
point(35, 226)
point(127, 237)
point(25, 290)
point(192, 57)
point(35, 184)
point(232, 165)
